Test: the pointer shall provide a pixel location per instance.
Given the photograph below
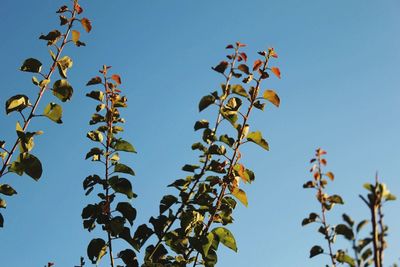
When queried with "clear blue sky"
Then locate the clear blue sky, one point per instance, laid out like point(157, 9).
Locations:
point(339, 90)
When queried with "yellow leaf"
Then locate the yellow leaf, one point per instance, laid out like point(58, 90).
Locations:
point(272, 97)
point(75, 36)
point(240, 195)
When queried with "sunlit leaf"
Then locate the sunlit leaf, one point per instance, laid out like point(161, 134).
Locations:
point(225, 237)
point(272, 97)
point(256, 137)
point(17, 103)
point(53, 111)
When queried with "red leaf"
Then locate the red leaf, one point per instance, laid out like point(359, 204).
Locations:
point(244, 56)
point(257, 64)
point(78, 8)
point(62, 9)
point(229, 46)
point(116, 78)
point(276, 71)
point(238, 44)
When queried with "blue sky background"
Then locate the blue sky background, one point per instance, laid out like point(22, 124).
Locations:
point(339, 90)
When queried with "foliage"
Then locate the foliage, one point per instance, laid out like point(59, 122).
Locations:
point(367, 250)
point(113, 217)
point(25, 161)
point(184, 228)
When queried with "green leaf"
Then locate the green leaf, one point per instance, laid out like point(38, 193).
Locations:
point(94, 80)
point(96, 249)
point(166, 202)
point(316, 250)
point(206, 101)
point(342, 257)
point(348, 219)
point(239, 90)
point(17, 103)
point(122, 185)
point(16, 167)
point(225, 237)
point(122, 145)
point(31, 65)
point(206, 243)
point(240, 195)
point(62, 90)
point(201, 124)
point(35, 80)
point(95, 136)
point(32, 165)
point(190, 168)
point(94, 152)
point(63, 65)
point(52, 37)
point(272, 97)
point(7, 190)
point(128, 256)
point(311, 218)
point(53, 112)
point(97, 95)
point(119, 167)
point(336, 199)
point(342, 229)
point(127, 211)
point(227, 140)
point(361, 224)
point(256, 137)
point(390, 197)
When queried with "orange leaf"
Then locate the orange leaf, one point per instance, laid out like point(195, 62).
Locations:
point(86, 24)
point(116, 78)
point(257, 64)
point(330, 175)
point(323, 161)
point(276, 71)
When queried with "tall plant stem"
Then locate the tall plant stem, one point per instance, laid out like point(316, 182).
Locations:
point(323, 213)
point(110, 111)
point(40, 95)
point(233, 160)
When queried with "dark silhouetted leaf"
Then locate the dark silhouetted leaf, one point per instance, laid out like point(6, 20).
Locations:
point(316, 250)
point(31, 65)
point(63, 90)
